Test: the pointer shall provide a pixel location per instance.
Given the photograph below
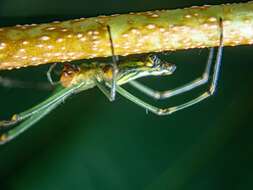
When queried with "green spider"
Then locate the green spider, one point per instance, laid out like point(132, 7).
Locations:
point(109, 78)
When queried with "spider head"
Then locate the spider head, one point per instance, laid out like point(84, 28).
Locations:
point(151, 66)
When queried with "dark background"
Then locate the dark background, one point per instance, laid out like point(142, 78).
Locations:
point(93, 144)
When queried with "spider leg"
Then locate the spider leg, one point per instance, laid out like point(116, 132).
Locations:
point(209, 92)
point(157, 110)
point(49, 74)
point(17, 130)
point(187, 87)
point(103, 87)
point(59, 96)
point(114, 67)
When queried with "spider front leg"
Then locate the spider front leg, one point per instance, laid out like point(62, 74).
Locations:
point(187, 87)
point(209, 92)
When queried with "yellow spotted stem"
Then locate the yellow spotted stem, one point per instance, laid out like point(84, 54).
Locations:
point(133, 33)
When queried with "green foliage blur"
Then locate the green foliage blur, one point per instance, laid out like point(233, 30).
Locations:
point(93, 144)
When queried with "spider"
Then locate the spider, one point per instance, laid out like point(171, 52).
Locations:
point(109, 78)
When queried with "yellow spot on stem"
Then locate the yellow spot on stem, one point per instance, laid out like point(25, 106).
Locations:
point(25, 42)
point(151, 26)
point(45, 38)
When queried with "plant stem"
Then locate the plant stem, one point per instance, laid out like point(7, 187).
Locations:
point(133, 33)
